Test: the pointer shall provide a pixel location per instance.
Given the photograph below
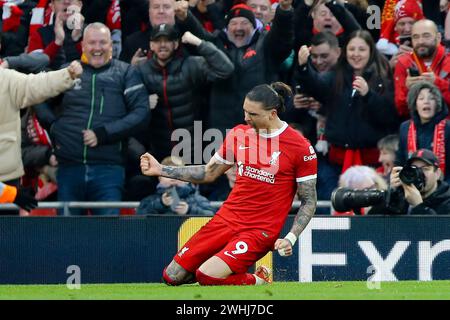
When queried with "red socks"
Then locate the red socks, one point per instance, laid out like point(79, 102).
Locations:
point(234, 279)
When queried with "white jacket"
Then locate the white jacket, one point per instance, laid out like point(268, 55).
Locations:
point(18, 90)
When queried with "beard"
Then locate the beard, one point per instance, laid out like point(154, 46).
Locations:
point(425, 51)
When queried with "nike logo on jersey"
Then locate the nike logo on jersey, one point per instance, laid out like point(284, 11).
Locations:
point(229, 254)
point(183, 251)
point(241, 147)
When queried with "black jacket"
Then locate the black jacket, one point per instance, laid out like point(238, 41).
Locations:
point(303, 22)
point(175, 84)
point(256, 63)
point(437, 203)
point(425, 135)
point(141, 39)
point(353, 123)
point(111, 101)
point(67, 53)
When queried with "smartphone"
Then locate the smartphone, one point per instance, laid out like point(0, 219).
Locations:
point(406, 40)
point(175, 197)
point(413, 72)
point(299, 90)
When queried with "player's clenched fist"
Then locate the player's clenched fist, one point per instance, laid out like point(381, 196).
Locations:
point(284, 247)
point(149, 165)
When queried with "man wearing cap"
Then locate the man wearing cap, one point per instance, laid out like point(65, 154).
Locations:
point(169, 12)
point(434, 196)
point(427, 62)
point(256, 55)
point(174, 78)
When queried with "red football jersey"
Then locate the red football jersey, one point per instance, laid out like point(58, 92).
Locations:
point(268, 169)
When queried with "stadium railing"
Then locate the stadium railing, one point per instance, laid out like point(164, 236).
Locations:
point(119, 204)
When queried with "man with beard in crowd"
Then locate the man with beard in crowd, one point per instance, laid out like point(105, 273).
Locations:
point(428, 62)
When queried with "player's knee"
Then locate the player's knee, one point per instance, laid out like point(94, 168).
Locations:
point(176, 279)
point(169, 280)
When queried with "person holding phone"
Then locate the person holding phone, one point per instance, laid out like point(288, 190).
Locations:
point(325, 53)
point(427, 62)
point(357, 96)
point(406, 12)
point(175, 196)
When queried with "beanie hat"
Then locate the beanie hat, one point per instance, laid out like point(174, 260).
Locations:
point(241, 10)
point(393, 11)
point(408, 8)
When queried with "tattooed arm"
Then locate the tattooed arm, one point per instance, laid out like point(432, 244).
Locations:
point(195, 174)
point(308, 197)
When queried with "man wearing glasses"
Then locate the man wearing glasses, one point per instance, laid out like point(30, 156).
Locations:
point(427, 62)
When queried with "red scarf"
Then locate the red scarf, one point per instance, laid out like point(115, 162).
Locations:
point(440, 53)
point(11, 16)
point(438, 142)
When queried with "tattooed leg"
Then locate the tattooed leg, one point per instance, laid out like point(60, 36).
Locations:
point(175, 275)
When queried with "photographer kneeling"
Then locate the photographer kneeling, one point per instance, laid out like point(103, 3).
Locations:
point(424, 191)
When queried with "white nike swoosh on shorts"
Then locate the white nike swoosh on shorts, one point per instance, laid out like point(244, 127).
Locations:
point(229, 254)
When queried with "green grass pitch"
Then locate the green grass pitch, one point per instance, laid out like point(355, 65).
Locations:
point(410, 290)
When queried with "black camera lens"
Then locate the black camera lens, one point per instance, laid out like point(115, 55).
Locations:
point(344, 199)
point(412, 175)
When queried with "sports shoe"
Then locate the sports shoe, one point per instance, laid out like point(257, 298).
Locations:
point(263, 274)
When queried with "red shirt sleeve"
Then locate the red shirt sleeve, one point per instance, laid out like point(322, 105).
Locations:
point(52, 50)
point(307, 164)
point(227, 152)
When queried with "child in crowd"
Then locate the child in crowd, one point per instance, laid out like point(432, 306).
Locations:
point(388, 147)
point(175, 196)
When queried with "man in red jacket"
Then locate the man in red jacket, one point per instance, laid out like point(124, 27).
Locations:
point(428, 61)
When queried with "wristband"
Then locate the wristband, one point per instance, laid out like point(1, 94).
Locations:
point(291, 237)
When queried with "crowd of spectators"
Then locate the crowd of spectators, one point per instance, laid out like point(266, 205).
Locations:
point(371, 81)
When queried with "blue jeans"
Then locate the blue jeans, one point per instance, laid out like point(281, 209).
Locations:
point(90, 183)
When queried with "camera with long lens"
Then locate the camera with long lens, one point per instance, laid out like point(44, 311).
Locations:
point(412, 175)
point(345, 199)
point(382, 201)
